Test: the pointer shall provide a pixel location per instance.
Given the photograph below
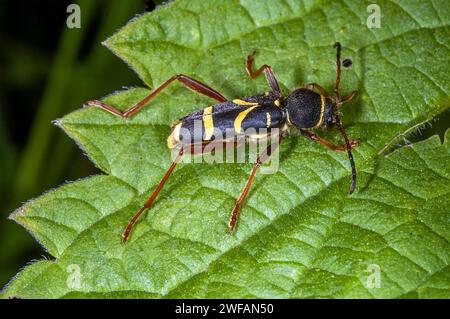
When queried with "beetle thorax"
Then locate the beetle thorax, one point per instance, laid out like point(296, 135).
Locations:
point(308, 109)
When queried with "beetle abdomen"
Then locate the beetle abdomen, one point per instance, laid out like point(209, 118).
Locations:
point(239, 117)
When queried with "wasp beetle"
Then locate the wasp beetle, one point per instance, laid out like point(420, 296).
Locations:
point(306, 108)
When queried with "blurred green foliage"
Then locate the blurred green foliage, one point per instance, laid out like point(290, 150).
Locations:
point(47, 71)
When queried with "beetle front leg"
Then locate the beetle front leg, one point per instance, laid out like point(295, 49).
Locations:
point(349, 96)
point(330, 145)
point(268, 72)
point(322, 91)
point(187, 81)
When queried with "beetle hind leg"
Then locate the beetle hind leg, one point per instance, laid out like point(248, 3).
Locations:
point(187, 81)
point(152, 197)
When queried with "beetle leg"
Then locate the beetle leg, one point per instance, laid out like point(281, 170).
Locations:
point(268, 72)
point(189, 82)
point(349, 96)
point(312, 86)
point(261, 159)
point(189, 149)
point(152, 197)
point(330, 145)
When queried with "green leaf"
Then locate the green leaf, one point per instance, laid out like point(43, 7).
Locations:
point(300, 234)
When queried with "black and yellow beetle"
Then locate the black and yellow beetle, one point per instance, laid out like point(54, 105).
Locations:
point(305, 108)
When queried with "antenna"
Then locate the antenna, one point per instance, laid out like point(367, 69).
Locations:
point(337, 97)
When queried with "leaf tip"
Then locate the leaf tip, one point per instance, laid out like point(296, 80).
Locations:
point(57, 122)
point(105, 43)
point(12, 216)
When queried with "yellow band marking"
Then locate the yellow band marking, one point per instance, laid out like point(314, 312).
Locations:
point(242, 102)
point(277, 103)
point(322, 110)
point(208, 122)
point(288, 118)
point(268, 119)
point(241, 116)
point(174, 138)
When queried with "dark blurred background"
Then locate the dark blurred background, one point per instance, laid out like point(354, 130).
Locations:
point(46, 71)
